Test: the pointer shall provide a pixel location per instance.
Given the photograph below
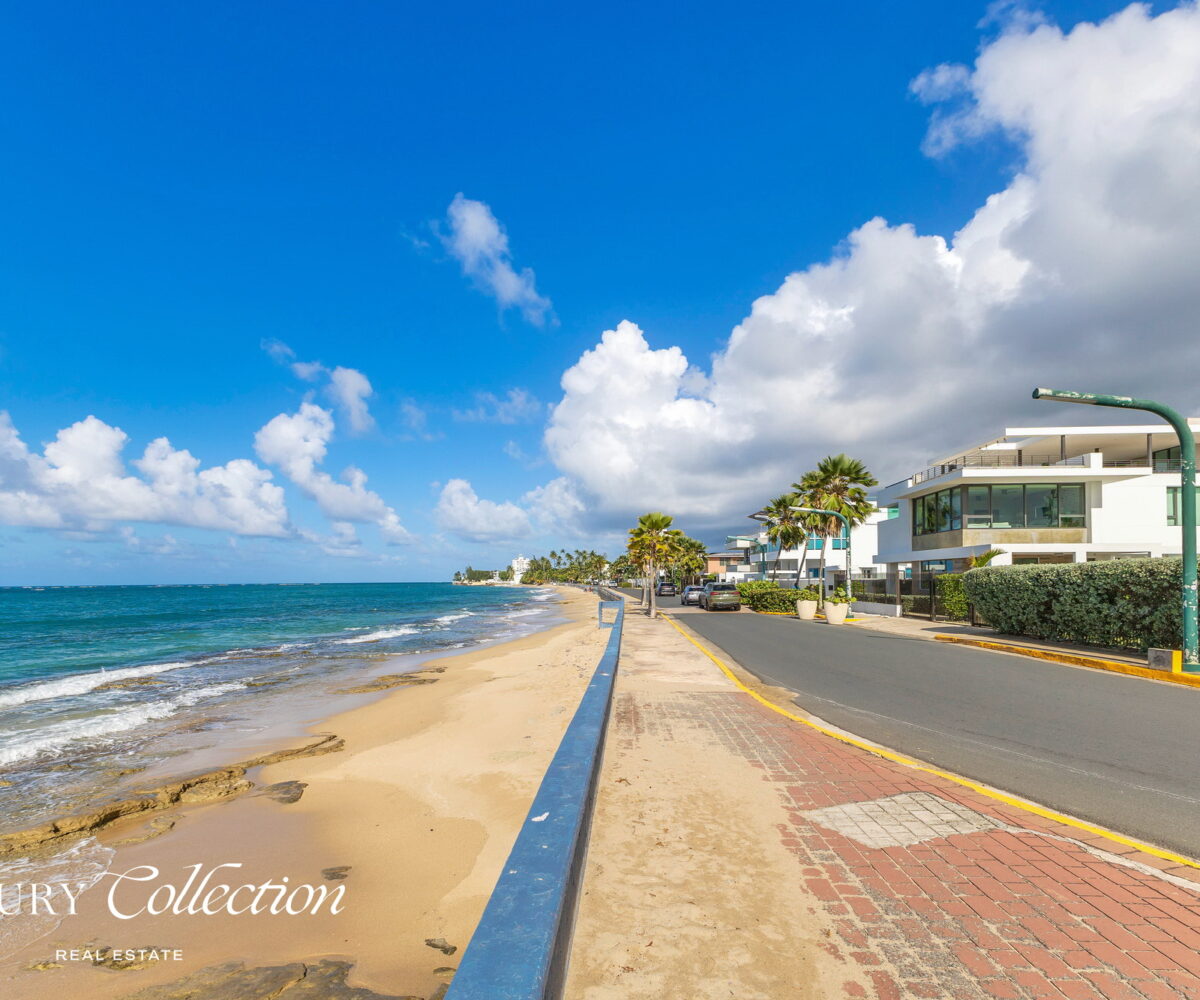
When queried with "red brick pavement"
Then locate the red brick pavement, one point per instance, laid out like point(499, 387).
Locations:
point(1027, 909)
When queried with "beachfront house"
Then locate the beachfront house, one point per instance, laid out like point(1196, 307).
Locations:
point(760, 559)
point(1040, 495)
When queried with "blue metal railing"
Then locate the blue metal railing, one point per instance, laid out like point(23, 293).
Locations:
point(519, 950)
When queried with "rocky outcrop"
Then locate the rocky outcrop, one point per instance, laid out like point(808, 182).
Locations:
point(385, 681)
point(208, 786)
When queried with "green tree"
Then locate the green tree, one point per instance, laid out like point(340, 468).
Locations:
point(838, 484)
point(652, 542)
point(787, 528)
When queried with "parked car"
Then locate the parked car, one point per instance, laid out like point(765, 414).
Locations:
point(666, 590)
point(720, 596)
point(691, 595)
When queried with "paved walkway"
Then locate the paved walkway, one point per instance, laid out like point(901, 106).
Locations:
point(905, 883)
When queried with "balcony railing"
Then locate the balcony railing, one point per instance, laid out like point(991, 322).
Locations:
point(1159, 464)
point(999, 461)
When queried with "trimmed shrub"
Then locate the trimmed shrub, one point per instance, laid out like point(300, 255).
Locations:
point(915, 604)
point(755, 586)
point(772, 600)
point(951, 596)
point(1121, 603)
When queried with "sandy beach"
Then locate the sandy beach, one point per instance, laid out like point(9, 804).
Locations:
point(410, 819)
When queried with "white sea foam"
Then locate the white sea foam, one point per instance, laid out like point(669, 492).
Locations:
point(73, 684)
point(81, 866)
point(384, 633)
point(446, 619)
point(524, 614)
point(53, 738)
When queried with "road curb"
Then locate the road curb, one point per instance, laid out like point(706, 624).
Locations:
point(1087, 828)
point(1077, 660)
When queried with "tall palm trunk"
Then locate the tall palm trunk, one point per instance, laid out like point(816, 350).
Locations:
point(803, 560)
point(653, 580)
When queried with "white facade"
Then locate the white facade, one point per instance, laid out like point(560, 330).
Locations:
point(520, 566)
point(1039, 494)
point(783, 566)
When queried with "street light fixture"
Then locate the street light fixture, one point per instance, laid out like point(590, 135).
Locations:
point(1187, 482)
point(849, 562)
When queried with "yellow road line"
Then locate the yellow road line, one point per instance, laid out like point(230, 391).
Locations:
point(1077, 660)
point(984, 790)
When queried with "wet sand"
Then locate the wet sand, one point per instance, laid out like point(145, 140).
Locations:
point(413, 817)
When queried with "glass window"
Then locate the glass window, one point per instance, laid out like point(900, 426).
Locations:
point(893, 512)
point(1041, 506)
point(918, 508)
point(1174, 514)
point(1008, 506)
point(979, 507)
point(1071, 506)
point(955, 509)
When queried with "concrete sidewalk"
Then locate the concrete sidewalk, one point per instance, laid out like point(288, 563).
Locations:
point(740, 853)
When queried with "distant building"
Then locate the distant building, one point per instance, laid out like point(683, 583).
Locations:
point(520, 566)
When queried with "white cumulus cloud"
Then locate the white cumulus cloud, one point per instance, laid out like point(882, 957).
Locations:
point(298, 443)
point(1080, 273)
point(475, 238)
point(461, 511)
point(81, 482)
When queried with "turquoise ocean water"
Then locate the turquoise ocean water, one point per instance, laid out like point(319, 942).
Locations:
point(97, 683)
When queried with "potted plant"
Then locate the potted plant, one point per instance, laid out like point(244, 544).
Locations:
point(806, 604)
point(837, 606)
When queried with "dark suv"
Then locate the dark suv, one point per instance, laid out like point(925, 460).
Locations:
point(716, 596)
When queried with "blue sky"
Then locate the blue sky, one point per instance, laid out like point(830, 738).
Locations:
point(184, 183)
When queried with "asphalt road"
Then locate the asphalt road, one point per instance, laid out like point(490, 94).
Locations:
point(1119, 751)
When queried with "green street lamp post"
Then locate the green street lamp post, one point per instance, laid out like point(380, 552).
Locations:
point(1187, 482)
point(849, 563)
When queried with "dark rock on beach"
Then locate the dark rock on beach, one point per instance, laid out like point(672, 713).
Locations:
point(336, 873)
point(441, 945)
point(284, 791)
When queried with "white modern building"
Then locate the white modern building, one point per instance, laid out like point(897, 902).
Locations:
point(1040, 495)
point(761, 560)
point(520, 566)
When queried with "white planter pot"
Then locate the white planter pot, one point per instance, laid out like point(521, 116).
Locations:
point(835, 614)
point(806, 610)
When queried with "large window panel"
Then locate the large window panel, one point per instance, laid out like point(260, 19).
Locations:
point(1008, 506)
point(979, 507)
point(1041, 506)
point(1071, 501)
point(955, 509)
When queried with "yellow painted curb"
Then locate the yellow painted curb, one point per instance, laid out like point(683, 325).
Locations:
point(1078, 660)
point(984, 790)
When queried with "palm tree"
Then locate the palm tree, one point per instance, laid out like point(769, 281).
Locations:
point(983, 558)
point(785, 527)
point(653, 542)
point(837, 484)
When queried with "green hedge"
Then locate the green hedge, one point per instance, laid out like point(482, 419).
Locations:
point(1125, 603)
point(755, 586)
point(772, 600)
point(915, 604)
point(951, 596)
